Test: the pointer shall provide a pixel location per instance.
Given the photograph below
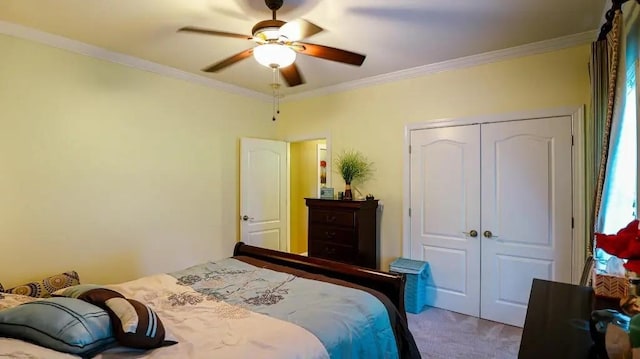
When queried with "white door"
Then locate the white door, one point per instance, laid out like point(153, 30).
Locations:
point(512, 179)
point(445, 203)
point(527, 207)
point(263, 193)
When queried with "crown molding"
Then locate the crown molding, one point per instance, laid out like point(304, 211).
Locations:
point(27, 33)
point(459, 63)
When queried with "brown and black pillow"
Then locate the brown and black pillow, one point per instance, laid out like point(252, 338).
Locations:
point(135, 324)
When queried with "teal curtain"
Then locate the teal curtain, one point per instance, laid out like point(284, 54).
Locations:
point(621, 177)
point(632, 34)
point(620, 61)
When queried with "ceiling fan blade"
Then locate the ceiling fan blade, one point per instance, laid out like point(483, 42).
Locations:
point(229, 61)
point(291, 75)
point(199, 30)
point(299, 29)
point(330, 53)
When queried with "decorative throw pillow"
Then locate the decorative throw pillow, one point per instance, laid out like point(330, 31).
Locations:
point(64, 324)
point(8, 300)
point(135, 324)
point(44, 288)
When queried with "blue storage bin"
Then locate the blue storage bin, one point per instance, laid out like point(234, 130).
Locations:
point(415, 291)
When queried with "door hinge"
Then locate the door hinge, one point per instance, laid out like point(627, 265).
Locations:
point(409, 149)
point(572, 222)
point(571, 140)
point(409, 212)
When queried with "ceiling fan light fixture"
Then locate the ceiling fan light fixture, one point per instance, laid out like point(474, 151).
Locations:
point(274, 55)
point(268, 30)
point(268, 34)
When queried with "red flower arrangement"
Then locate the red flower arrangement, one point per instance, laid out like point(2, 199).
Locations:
point(624, 244)
point(323, 163)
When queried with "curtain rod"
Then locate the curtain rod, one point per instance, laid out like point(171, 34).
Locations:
point(606, 27)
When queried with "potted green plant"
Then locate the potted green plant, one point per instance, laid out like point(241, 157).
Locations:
point(353, 166)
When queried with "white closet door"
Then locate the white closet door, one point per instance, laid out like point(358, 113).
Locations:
point(445, 203)
point(526, 205)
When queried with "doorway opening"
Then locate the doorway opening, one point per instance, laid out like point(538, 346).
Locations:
point(309, 171)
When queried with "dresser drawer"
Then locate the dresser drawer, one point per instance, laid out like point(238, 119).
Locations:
point(333, 218)
point(332, 234)
point(332, 251)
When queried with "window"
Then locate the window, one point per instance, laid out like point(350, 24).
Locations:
point(620, 193)
point(619, 205)
point(620, 198)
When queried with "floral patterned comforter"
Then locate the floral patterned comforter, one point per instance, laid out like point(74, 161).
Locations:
point(233, 309)
point(350, 323)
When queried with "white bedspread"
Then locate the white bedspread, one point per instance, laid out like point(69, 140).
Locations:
point(203, 329)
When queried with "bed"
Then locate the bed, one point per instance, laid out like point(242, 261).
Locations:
point(261, 303)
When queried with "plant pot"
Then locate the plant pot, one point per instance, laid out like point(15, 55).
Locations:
point(347, 192)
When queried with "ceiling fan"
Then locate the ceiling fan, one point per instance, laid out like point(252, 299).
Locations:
point(278, 42)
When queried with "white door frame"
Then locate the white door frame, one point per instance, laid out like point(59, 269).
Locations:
point(309, 137)
point(578, 167)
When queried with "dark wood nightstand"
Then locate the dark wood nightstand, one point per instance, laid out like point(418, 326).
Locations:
point(557, 322)
point(343, 231)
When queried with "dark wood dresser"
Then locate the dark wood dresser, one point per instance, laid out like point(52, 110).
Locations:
point(343, 231)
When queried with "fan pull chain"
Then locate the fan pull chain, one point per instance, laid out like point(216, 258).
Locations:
point(275, 85)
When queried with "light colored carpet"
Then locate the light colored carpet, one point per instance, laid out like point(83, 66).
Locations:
point(441, 334)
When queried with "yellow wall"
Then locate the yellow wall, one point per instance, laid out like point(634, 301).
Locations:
point(304, 183)
point(118, 173)
point(373, 119)
point(112, 171)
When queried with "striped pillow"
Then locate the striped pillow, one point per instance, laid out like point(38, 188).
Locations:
point(63, 324)
point(135, 324)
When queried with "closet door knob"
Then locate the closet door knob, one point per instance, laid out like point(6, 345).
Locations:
point(488, 234)
point(472, 233)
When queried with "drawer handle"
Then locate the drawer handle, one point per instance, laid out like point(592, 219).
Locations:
point(330, 235)
point(329, 250)
point(329, 218)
